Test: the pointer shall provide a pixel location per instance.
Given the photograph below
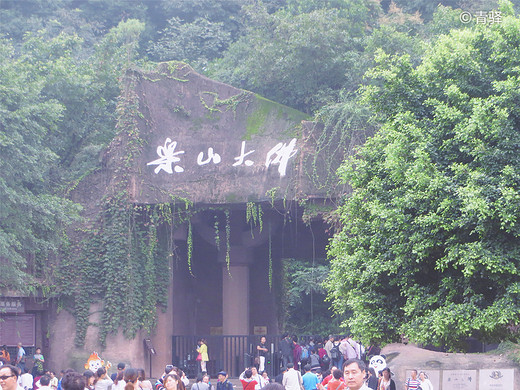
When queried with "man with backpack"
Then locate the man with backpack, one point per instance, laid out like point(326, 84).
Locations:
point(328, 347)
point(336, 356)
point(286, 350)
point(223, 383)
point(305, 354)
point(324, 358)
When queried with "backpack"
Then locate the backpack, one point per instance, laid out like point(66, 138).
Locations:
point(363, 352)
point(305, 352)
point(325, 360)
point(335, 353)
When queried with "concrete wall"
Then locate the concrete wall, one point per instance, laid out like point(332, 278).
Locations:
point(63, 353)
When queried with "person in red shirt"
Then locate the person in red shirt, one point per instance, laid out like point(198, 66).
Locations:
point(4, 354)
point(297, 353)
point(337, 382)
point(247, 382)
point(330, 376)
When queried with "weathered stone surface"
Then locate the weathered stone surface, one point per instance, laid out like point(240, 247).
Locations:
point(260, 150)
point(403, 358)
point(176, 105)
point(118, 349)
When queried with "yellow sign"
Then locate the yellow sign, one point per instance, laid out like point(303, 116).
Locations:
point(260, 330)
point(216, 331)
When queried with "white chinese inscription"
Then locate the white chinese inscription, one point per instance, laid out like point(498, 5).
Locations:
point(168, 157)
point(243, 155)
point(282, 153)
point(212, 156)
point(279, 155)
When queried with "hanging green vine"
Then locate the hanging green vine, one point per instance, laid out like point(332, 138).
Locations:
point(270, 258)
point(216, 226)
point(228, 235)
point(122, 259)
point(227, 104)
point(271, 194)
point(254, 215)
point(190, 246)
point(336, 131)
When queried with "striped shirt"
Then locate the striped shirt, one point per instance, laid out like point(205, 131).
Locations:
point(412, 384)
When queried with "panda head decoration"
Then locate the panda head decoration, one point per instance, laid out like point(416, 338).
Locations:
point(378, 363)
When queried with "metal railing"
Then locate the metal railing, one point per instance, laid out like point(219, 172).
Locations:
point(229, 353)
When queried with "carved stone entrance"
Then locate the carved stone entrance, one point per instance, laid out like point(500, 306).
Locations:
point(220, 151)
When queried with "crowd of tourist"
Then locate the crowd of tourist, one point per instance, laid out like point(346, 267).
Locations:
point(336, 363)
point(332, 363)
point(354, 375)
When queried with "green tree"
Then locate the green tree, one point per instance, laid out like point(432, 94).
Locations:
point(89, 19)
point(196, 32)
point(32, 217)
point(301, 59)
point(196, 43)
point(85, 81)
point(18, 17)
point(430, 245)
point(425, 8)
point(306, 310)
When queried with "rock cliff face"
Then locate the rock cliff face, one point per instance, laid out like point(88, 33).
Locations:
point(182, 135)
point(194, 138)
point(450, 371)
point(212, 143)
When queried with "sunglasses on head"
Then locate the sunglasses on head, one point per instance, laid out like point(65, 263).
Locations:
point(4, 377)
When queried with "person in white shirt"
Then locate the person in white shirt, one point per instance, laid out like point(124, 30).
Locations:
point(26, 380)
point(426, 384)
point(45, 383)
point(119, 382)
point(9, 378)
point(292, 379)
point(354, 371)
point(103, 382)
point(54, 381)
point(260, 382)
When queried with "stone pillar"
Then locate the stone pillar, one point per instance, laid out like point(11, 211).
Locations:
point(236, 300)
point(235, 291)
point(167, 321)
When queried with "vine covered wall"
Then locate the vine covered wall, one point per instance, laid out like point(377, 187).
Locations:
point(120, 258)
point(121, 255)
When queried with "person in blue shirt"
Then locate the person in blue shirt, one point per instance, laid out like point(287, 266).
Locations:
point(310, 380)
point(223, 383)
point(20, 358)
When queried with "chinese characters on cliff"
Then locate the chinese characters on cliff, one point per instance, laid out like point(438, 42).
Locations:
point(170, 160)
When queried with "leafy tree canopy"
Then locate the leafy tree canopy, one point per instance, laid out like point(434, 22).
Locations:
point(196, 43)
point(196, 32)
point(430, 246)
point(298, 59)
point(304, 298)
point(57, 112)
point(32, 220)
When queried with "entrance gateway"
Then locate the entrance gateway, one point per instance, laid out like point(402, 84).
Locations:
point(245, 167)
